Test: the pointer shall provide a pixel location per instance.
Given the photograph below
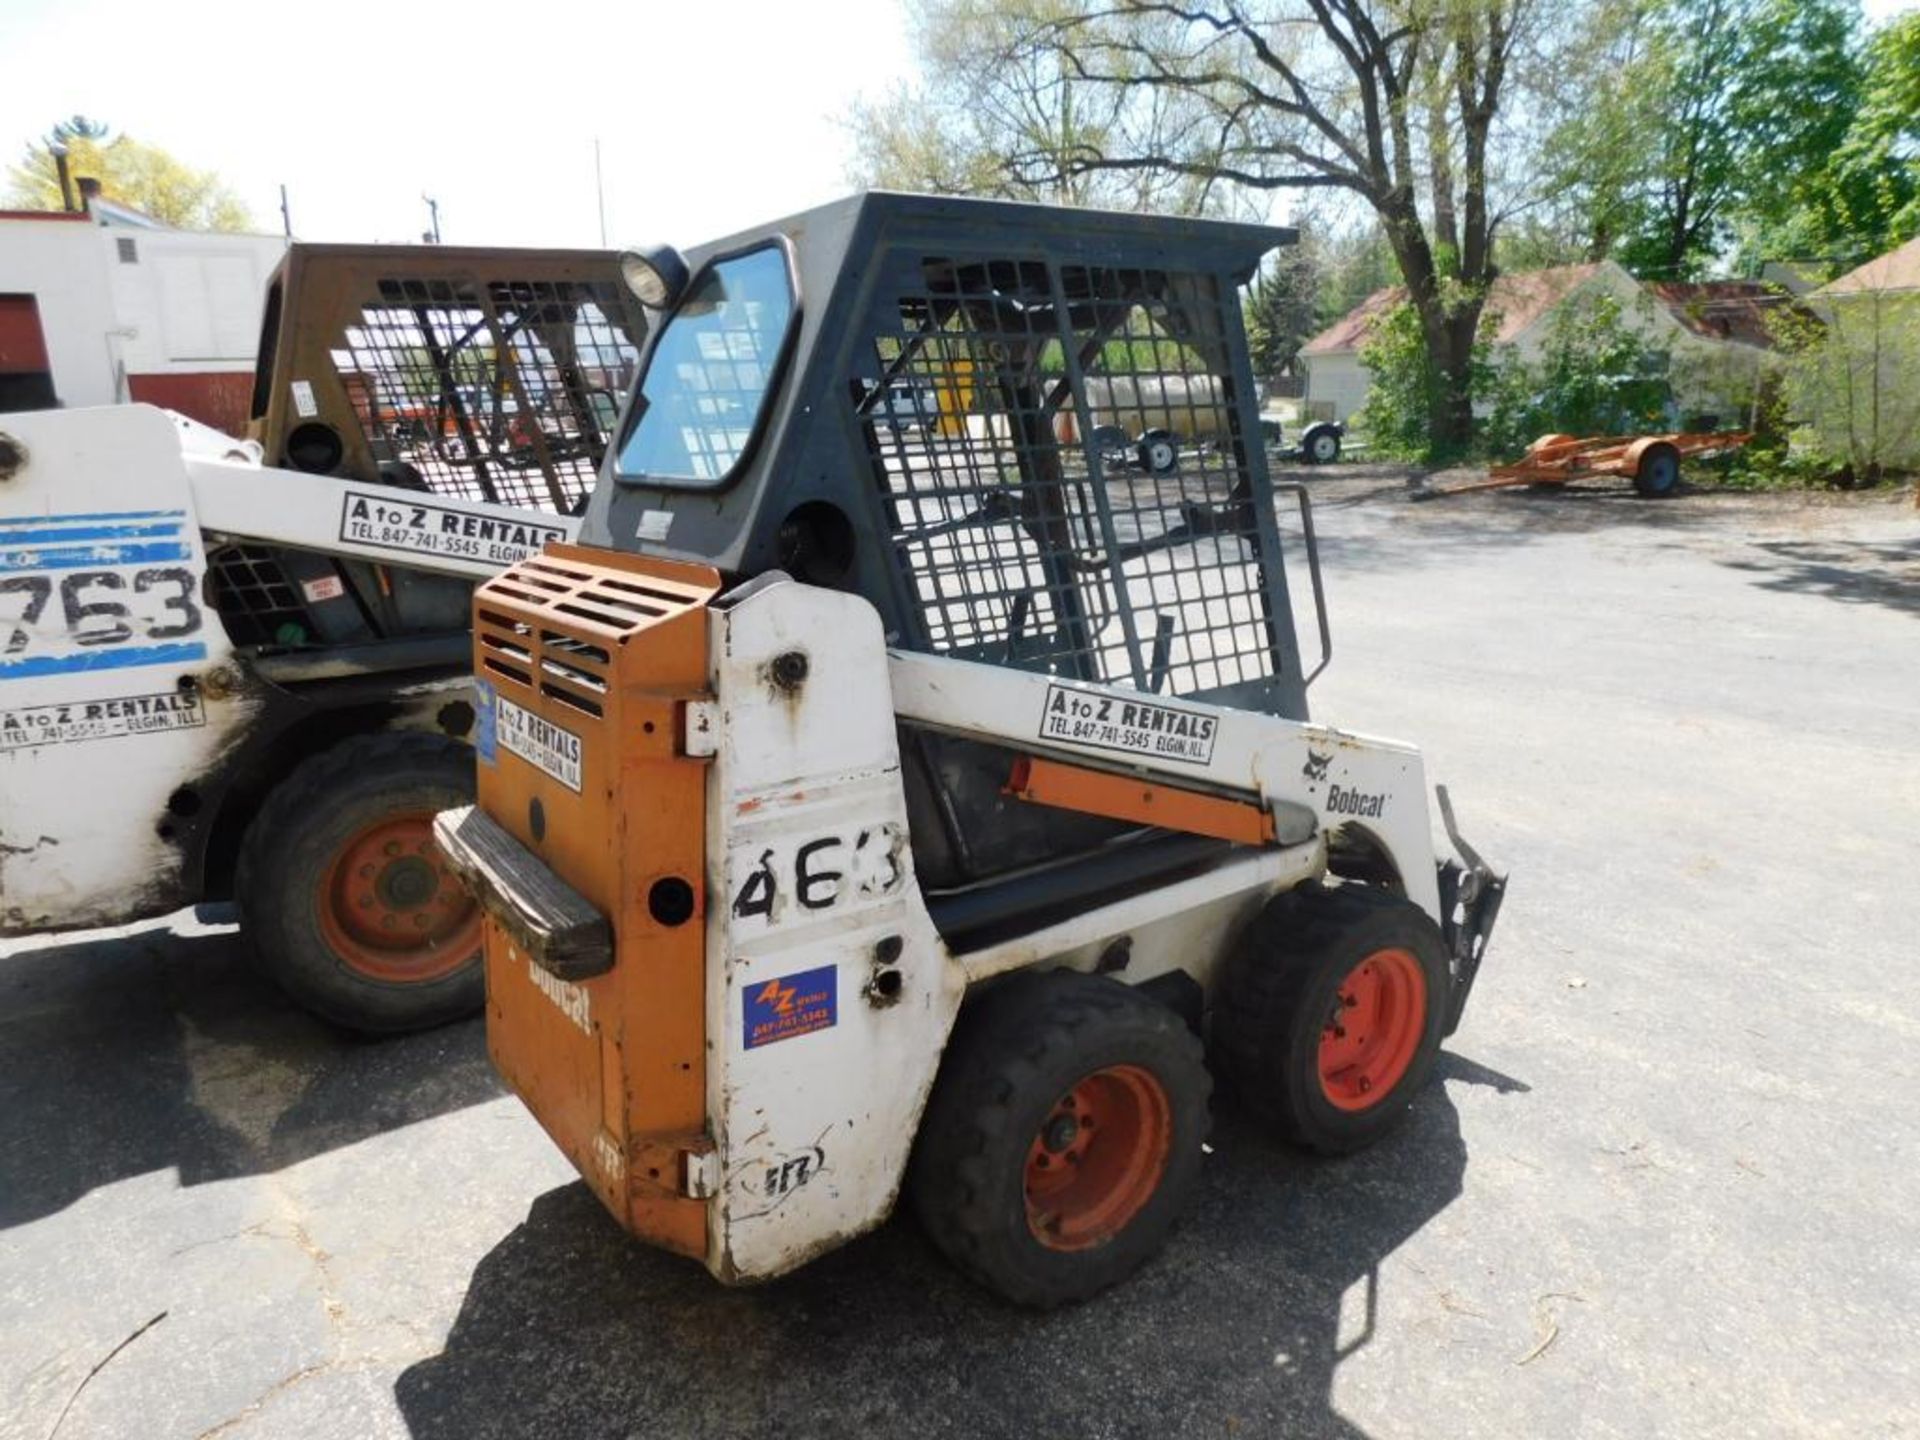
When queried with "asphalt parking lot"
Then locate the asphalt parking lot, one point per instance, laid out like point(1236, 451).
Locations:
point(1668, 1182)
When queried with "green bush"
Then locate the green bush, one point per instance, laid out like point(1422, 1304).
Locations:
point(1596, 375)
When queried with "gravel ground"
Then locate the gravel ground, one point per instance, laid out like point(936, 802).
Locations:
point(1665, 1184)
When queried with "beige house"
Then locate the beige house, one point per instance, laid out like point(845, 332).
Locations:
point(1717, 332)
point(1857, 387)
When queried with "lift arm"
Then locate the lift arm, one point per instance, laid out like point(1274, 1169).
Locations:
point(234, 500)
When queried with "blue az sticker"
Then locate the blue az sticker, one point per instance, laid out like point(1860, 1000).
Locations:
point(791, 1006)
point(486, 722)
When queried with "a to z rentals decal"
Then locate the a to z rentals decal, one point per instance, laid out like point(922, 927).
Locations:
point(26, 726)
point(388, 522)
point(791, 1006)
point(102, 591)
point(541, 743)
point(1135, 727)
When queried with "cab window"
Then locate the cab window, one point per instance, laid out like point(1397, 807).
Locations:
point(710, 374)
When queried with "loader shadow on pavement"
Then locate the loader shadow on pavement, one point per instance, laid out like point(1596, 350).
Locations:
point(569, 1328)
point(160, 1049)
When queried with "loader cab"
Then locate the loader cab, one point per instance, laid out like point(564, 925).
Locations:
point(915, 399)
point(464, 373)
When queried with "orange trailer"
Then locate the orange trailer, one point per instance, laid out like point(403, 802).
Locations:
point(1652, 461)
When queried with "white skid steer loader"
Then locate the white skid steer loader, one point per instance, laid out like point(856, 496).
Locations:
point(866, 806)
point(227, 679)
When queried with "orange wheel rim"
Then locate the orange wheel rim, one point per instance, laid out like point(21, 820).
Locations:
point(1373, 1029)
point(1098, 1158)
point(390, 908)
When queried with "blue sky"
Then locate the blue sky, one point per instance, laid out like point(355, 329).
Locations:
point(710, 117)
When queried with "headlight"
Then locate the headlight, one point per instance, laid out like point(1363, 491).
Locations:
point(656, 275)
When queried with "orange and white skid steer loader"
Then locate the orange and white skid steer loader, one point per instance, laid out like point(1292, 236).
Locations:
point(891, 795)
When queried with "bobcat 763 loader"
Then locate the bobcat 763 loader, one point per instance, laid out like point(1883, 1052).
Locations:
point(239, 669)
point(865, 805)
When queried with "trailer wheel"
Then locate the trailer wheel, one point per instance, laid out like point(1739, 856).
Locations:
point(1330, 1014)
point(1320, 445)
point(343, 896)
point(1063, 1136)
point(1658, 475)
point(1158, 453)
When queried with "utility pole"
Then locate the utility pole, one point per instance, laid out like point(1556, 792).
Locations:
point(65, 172)
point(286, 215)
point(432, 236)
point(600, 192)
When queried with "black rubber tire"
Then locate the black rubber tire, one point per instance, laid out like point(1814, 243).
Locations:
point(1320, 445)
point(1658, 475)
point(1279, 984)
point(1015, 1051)
point(1158, 452)
point(1110, 443)
point(305, 820)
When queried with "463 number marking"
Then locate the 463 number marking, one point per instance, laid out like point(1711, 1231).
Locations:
point(820, 873)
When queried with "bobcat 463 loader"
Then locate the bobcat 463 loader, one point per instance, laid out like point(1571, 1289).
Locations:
point(868, 805)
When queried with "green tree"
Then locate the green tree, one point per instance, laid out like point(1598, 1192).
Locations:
point(997, 111)
point(1704, 123)
point(144, 177)
point(1355, 261)
point(1793, 109)
point(1866, 199)
point(1280, 305)
point(1393, 102)
point(1592, 167)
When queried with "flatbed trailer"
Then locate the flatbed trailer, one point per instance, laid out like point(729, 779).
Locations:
point(1651, 461)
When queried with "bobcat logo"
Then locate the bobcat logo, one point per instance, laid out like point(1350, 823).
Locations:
point(1315, 770)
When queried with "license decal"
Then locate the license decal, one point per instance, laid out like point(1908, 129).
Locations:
point(67, 723)
point(486, 724)
point(792, 1006)
point(415, 527)
point(539, 742)
point(1134, 727)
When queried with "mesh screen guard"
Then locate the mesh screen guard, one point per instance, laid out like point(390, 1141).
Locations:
point(1063, 454)
point(504, 390)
